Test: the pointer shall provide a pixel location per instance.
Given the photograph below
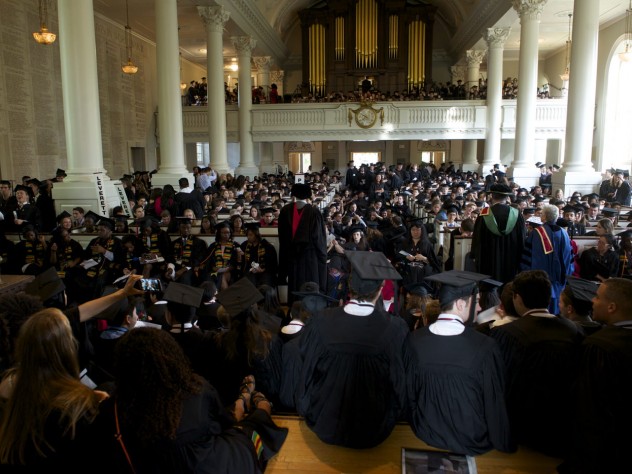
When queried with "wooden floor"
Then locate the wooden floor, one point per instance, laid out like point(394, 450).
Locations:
point(303, 452)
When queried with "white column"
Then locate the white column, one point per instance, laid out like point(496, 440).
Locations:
point(474, 58)
point(495, 38)
point(262, 64)
point(244, 46)
point(522, 168)
point(470, 162)
point(87, 183)
point(172, 162)
point(577, 172)
point(214, 19)
point(266, 153)
point(276, 77)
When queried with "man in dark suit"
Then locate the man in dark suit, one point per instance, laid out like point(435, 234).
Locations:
point(189, 198)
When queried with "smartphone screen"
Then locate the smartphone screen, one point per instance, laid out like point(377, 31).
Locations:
point(150, 284)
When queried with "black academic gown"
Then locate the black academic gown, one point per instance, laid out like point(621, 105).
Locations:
point(498, 256)
point(352, 388)
point(542, 356)
point(602, 436)
point(302, 257)
point(455, 389)
point(206, 441)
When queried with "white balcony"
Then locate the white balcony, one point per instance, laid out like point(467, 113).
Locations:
point(431, 120)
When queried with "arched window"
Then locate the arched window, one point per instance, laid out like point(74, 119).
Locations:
point(617, 148)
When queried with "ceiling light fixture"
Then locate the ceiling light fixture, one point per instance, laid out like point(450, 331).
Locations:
point(565, 76)
point(43, 36)
point(128, 68)
point(626, 56)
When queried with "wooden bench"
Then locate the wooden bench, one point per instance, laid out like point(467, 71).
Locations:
point(303, 452)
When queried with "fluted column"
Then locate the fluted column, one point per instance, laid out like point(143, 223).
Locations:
point(495, 38)
point(266, 165)
point(523, 169)
point(262, 64)
point(214, 19)
point(474, 58)
point(244, 46)
point(172, 161)
point(87, 184)
point(577, 171)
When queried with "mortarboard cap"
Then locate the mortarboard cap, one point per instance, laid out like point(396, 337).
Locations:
point(183, 220)
point(21, 187)
point(374, 224)
point(183, 294)
point(45, 285)
point(369, 270)
point(301, 191)
point(92, 215)
point(63, 215)
point(581, 289)
point(609, 212)
point(220, 225)
point(619, 171)
point(265, 210)
point(60, 172)
point(148, 221)
point(501, 189)
point(557, 167)
point(528, 211)
point(534, 220)
point(313, 300)
point(106, 222)
point(34, 181)
point(539, 164)
point(252, 225)
point(569, 208)
point(456, 284)
point(239, 296)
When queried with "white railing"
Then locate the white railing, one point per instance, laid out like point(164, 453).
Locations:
point(414, 120)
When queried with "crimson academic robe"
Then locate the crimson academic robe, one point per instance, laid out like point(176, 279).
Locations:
point(303, 254)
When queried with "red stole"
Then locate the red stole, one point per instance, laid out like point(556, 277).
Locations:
point(296, 218)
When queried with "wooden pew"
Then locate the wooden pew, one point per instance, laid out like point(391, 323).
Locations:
point(303, 452)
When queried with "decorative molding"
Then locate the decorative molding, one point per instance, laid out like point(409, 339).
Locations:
point(485, 15)
point(277, 76)
point(249, 18)
point(301, 147)
point(458, 73)
point(214, 18)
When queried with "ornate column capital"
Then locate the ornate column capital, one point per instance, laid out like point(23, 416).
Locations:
point(529, 9)
point(243, 44)
point(214, 18)
point(474, 57)
point(496, 37)
point(262, 63)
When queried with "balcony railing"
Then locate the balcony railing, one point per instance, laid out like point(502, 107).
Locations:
point(412, 120)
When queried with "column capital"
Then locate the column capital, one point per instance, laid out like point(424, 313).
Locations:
point(243, 44)
point(214, 18)
point(474, 57)
point(277, 76)
point(262, 62)
point(530, 9)
point(496, 37)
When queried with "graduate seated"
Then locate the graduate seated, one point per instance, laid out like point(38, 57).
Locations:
point(455, 375)
point(348, 352)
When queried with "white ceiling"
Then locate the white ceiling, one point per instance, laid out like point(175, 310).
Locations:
point(281, 15)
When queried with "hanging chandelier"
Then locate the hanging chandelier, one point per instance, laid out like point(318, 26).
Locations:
point(43, 36)
point(567, 71)
point(129, 67)
point(626, 56)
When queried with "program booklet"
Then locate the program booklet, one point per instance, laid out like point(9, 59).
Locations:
point(422, 461)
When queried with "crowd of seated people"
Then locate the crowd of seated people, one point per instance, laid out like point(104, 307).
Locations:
point(213, 266)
